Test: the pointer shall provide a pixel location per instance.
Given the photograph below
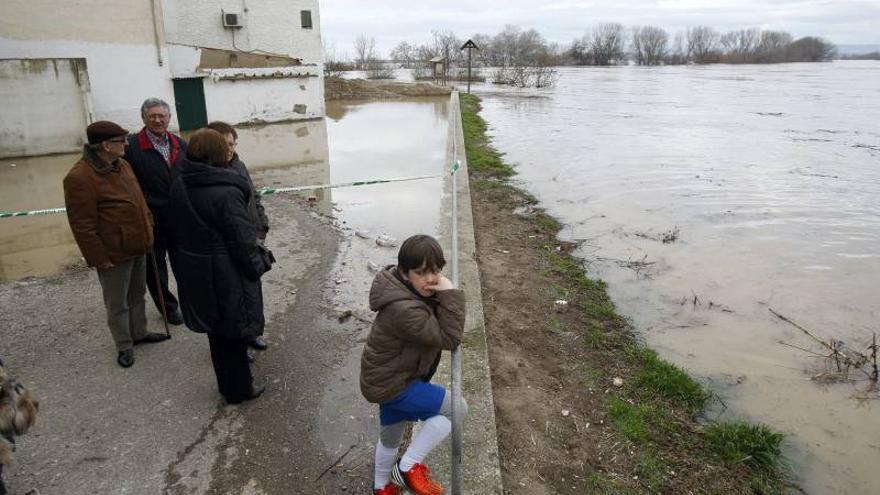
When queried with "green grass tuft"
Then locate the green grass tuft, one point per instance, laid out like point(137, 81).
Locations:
point(599, 484)
point(630, 419)
point(651, 471)
point(757, 446)
point(661, 379)
point(486, 185)
point(481, 155)
point(547, 223)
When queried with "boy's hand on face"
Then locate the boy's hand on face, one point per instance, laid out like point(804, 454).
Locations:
point(442, 284)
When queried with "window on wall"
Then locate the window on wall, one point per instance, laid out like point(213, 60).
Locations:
point(306, 16)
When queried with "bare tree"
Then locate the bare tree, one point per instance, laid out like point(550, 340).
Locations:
point(422, 68)
point(523, 76)
point(486, 55)
point(334, 64)
point(578, 52)
point(504, 44)
point(446, 44)
point(810, 49)
point(404, 53)
point(376, 69)
point(364, 50)
point(530, 48)
point(649, 45)
point(741, 46)
point(702, 42)
point(606, 43)
point(678, 54)
point(773, 46)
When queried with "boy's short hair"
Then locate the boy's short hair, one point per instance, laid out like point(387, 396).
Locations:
point(418, 251)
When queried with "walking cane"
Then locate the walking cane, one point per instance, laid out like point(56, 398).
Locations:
point(159, 291)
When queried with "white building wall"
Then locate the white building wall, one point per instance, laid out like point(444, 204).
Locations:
point(45, 106)
point(133, 49)
point(270, 27)
point(256, 99)
point(121, 75)
point(121, 41)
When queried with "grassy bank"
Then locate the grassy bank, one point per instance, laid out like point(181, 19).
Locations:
point(627, 421)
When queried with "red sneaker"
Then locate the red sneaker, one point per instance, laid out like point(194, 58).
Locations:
point(389, 489)
point(417, 480)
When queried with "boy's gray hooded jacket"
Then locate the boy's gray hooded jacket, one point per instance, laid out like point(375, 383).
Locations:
point(407, 337)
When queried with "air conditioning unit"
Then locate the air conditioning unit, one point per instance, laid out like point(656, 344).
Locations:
point(232, 19)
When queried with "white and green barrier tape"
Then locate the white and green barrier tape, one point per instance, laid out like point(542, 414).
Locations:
point(265, 191)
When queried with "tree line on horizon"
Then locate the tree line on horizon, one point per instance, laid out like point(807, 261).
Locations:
point(603, 45)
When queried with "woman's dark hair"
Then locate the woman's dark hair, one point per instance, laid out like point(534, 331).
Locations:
point(223, 128)
point(418, 251)
point(207, 146)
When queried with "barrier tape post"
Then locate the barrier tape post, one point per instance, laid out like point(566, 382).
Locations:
point(456, 354)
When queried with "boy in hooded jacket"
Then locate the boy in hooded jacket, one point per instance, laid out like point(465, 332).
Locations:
point(419, 314)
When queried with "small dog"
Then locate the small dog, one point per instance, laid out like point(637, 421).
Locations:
point(18, 412)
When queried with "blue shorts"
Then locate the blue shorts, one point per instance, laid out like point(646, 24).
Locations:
point(420, 401)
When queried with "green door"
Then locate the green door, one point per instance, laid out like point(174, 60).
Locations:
point(189, 96)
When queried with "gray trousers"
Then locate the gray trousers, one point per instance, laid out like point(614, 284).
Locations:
point(124, 287)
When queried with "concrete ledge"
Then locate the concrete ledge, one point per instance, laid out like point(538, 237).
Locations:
point(481, 472)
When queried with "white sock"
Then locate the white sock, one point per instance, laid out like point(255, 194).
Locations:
point(385, 457)
point(429, 436)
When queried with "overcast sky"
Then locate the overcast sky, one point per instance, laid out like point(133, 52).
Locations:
point(392, 21)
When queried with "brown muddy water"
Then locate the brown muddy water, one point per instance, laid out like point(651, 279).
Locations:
point(771, 176)
point(356, 141)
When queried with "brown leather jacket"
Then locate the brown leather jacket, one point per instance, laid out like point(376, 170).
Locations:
point(106, 210)
point(407, 336)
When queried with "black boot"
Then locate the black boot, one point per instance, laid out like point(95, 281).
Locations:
point(2, 486)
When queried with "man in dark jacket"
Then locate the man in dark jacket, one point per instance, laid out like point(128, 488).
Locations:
point(112, 226)
point(154, 154)
point(255, 204)
point(218, 263)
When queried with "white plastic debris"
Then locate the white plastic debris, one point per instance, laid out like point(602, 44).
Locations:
point(385, 240)
point(565, 413)
point(561, 305)
point(618, 382)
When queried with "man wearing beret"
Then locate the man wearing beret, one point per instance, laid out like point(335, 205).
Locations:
point(113, 228)
point(154, 154)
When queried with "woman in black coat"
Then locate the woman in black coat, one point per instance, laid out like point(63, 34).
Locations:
point(217, 261)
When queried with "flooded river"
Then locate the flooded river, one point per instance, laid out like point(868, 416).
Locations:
point(770, 176)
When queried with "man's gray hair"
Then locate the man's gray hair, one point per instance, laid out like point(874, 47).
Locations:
point(154, 102)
